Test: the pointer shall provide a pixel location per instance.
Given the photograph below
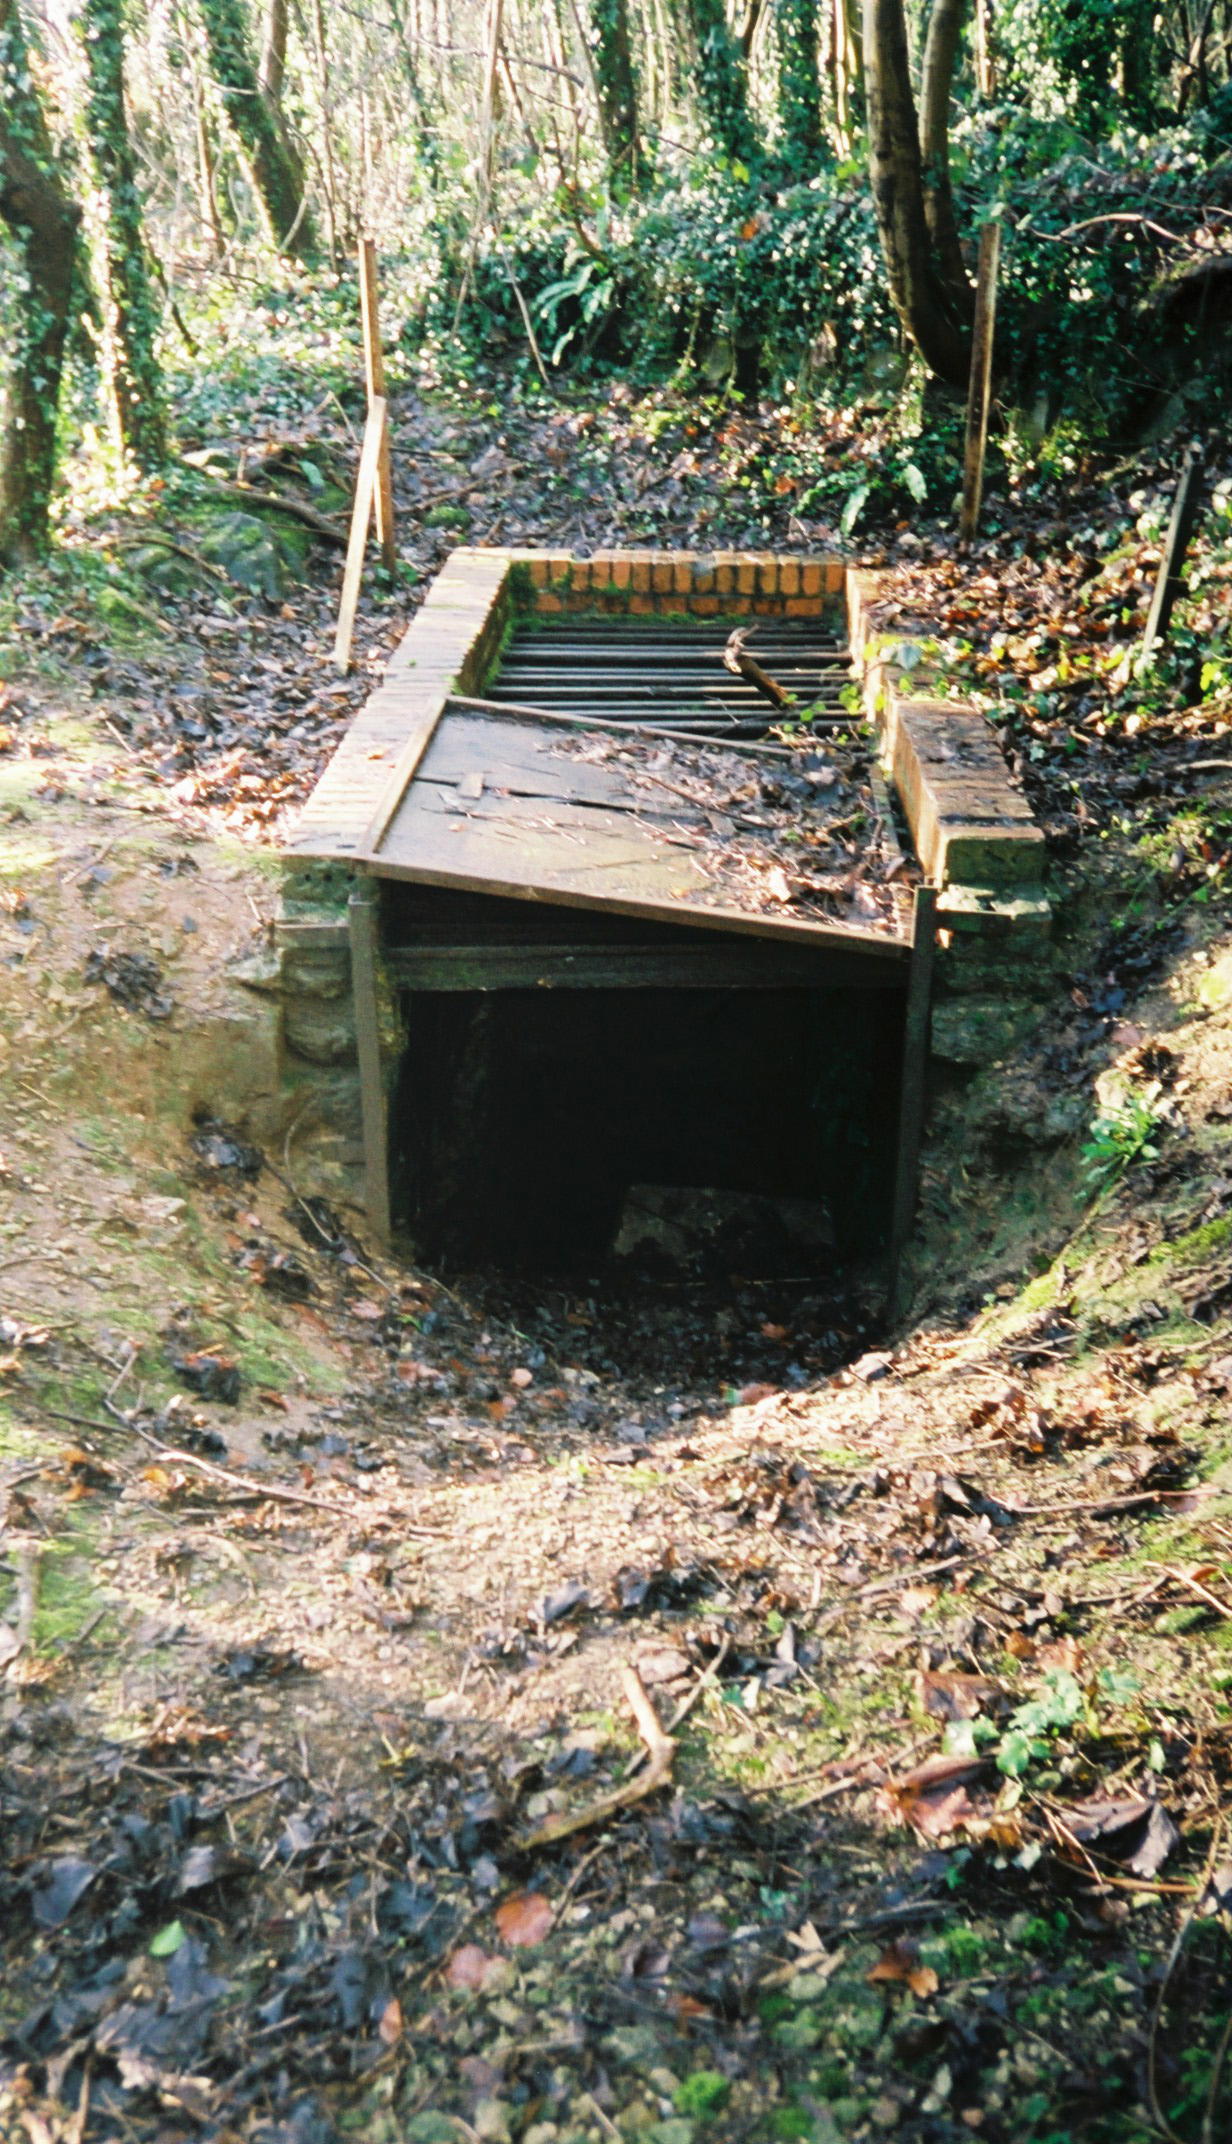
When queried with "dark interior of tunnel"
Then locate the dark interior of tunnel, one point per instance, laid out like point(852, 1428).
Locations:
point(524, 1119)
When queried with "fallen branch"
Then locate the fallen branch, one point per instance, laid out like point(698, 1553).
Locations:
point(661, 1749)
point(145, 539)
point(267, 1491)
point(704, 1682)
point(1099, 1505)
point(1182, 1578)
point(297, 508)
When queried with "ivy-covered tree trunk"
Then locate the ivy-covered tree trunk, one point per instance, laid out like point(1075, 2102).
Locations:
point(616, 87)
point(896, 173)
point(277, 174)
point(130, 312)
point(936, 81)
point(43, 219)
point(720, 81)
point(798, 26)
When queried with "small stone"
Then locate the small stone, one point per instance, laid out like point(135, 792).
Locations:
point(490, 2121)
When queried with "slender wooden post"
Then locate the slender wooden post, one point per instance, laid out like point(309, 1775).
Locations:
point(363, 915)
point(914, 1086)
point(981, 380)
point(361, 515)
point(1168, 583)
point(374, 368)
point(985, 76)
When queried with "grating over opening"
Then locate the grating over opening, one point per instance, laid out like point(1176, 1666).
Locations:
point(671, 672)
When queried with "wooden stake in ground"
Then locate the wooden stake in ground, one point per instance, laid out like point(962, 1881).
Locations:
point(981, 380)
point(365, 497)
point(374, 484)
point(374, 368)
point(1168, 584)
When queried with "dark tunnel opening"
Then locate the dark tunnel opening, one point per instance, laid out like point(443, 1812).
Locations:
point(562, 1130)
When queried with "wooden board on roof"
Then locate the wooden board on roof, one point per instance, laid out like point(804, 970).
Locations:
point(509, 808)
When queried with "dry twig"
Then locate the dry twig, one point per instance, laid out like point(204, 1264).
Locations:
point(661, 1749)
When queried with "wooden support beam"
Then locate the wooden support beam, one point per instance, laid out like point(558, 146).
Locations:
point(357, 543)
point(754, 965)
point(374, 369)
point(914, 1086)
point(1168, 583)
point(363, 915)
point(981, 380)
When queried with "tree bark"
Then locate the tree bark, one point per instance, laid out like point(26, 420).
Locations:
point(131, 373)
point(37, 208)
point(276, 171)
point(616, 89)
point(936, 79)
point(274, 53)
point(897, 180)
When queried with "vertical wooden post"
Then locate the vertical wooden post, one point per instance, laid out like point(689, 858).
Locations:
point(363, 914)
point(912, 1094)
point(981, 380)
point(985, 78)
point(374, 368)
point(1168, 582)
point(366, 488)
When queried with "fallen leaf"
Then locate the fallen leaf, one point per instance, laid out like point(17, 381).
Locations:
point(1065, 1653)
point(934, 1798)
point(67, 1879)
point(950, 1695)
point(662, 1664)
point(389, 2024)
point(524, 1919)
point(469, 1967)
point(1136, 1832)
point(901, 1963)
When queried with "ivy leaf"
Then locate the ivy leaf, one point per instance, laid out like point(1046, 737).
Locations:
point(1015, 1753)
point(854, 508)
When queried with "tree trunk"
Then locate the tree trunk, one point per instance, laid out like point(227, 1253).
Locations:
point(327, 127)
point(274, 54)
point(131, 374)
point(43, 219)
point(206, 186)
point(276, 171)
point(798, 23)
point(898, 196)
point(616, 89)
point(721, 82)
point(940, 52)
